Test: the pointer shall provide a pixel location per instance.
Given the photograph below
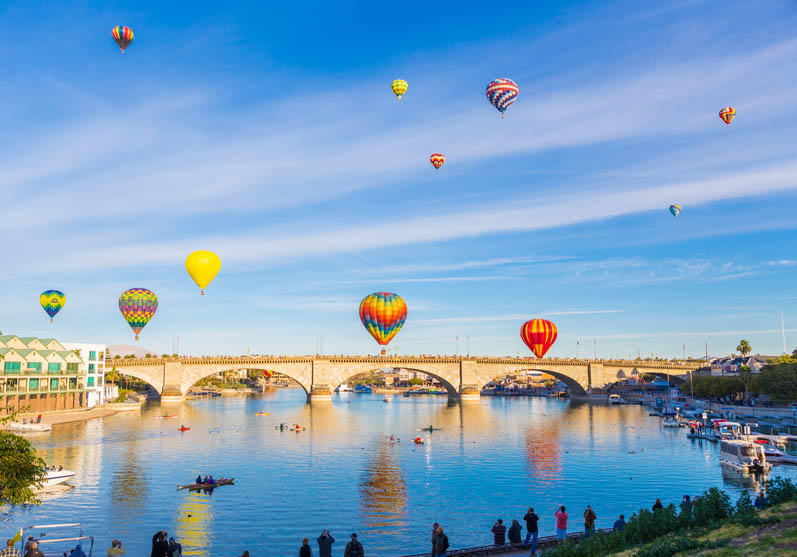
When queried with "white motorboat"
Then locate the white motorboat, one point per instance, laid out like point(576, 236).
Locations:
point(344, 388)
point(670, 422)
point(387, 399)
point(616, 399)
point(29, 426)
point(744, 456)
point(774, 454)
point(55, 477)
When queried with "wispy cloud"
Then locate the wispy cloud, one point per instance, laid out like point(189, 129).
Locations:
point(520, 317)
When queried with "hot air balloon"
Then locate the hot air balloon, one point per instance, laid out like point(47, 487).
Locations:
point(203, 266)
point(123, 36)
point(399, 87)
point(727, 114)
point(675, 209)
point(539, 335)
point(501, 93)
point(52, 301)
point(437, 160)
point(383, 314)
point(138, 305)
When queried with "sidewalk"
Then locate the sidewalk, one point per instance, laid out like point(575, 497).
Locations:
point(68, 416)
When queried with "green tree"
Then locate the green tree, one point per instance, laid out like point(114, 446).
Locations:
point(746, 376)
point(416, 381)
point(21, 469)
point(744, 348)
point(778, 382)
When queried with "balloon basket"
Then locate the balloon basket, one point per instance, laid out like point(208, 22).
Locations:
point(51, 320)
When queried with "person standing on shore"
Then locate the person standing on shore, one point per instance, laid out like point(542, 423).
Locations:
point(619, 524)
point(325, 541)
point(34, 550)
point(305, 550)
point(561, 523)
point(589, 521)
point(10, 550)
point(499, 533)
point(115, 549)
point(354, 548)
point(441, 543)
point(515, 532)
point(175, 548)
point(657, 505)
point(435, 526)
point(531, 529)
point(160, 547)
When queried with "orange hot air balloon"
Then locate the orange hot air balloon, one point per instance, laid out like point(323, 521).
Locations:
point(539, 335)
point(437, 160)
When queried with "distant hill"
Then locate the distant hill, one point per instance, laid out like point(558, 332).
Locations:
point(125, 349)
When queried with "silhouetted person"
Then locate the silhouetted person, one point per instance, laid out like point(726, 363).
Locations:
point(531, 529)
point(499, 533)
point(589, 521)
point(619, 524)
point(354, 548)
point(325, 541)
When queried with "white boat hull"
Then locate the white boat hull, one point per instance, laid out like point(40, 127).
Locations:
point(58, 477)
point(17, 426)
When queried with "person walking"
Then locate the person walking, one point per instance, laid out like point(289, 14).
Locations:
point(561, 523)
point(499, 533)
point(589, 521)
point(34, 550)
point(440, 548)
point(619, 524)
point(325, 541)
point(657, 505)
point(305, 550)
point(9, 550)
point(115, 549)
point(531, 519)
point(435, 526)
point(514, 533)
point(354, 548)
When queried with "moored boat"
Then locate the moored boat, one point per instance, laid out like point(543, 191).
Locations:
point(29, 426)
point(744, 456)
point(55, 477)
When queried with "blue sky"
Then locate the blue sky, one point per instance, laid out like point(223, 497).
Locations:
point(269, 135)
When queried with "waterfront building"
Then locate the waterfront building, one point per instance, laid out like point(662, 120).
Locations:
point(39, 375)
point(93, 368)
point(721, 367)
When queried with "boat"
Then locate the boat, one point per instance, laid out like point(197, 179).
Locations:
point(165, 416)
point(183, 428)
point(387, 399)
point(363, 389)
point(55, 477)
point(774, 454)
point(263, 414)
point(430, 429)
point(670, 422)
point(616, 399)
point(53, 543)
point(197, 487)
point(344, 388)
point(418, 441)
point(744, 455)
point(28, 426)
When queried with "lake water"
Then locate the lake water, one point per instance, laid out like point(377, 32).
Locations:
point(491, 459)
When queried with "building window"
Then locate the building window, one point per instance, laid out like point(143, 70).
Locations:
point(54, 367)
point(91, 368)
point(72, 368)
point(11, 385)
point(92, 355)
point(12, 367)
point(73, 383)
point(33, 384)
point(90, 382)
point(35, 366)
point(53, 384)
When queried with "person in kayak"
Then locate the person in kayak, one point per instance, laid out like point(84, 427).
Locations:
point(198, 479)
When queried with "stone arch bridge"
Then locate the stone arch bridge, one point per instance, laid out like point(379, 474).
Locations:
point(463, 377)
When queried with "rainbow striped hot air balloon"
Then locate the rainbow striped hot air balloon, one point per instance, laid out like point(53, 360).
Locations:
point(675, 209)
point(123, 36)
point(501, 93)
point(382, 315)
point(539, 335)
point(52, 301)
point(437, 160)
point(727, 114)
point(399, 87)
point(138, 305)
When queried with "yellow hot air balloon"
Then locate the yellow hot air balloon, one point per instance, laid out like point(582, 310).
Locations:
point(203, 266)
point(399, 87)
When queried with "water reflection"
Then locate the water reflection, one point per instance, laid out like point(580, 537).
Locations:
point(383, 493)
point(543, 451)
point(194, 519)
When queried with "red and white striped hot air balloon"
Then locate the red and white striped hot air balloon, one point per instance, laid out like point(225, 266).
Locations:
point(539, 335)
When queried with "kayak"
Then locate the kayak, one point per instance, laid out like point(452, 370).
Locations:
point(197, 487)
point(263, 414)
point(183, 428)
point(164, 417)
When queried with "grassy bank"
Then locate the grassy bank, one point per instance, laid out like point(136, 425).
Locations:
point(713, 525)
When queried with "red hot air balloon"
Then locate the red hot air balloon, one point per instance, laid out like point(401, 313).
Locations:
point(437, 160)
point(539, 335)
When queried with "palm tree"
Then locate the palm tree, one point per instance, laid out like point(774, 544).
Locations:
point(744, 348)
point(746, 375)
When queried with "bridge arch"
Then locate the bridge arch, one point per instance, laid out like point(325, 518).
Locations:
point(574, 386)
point(144, 375)
point(449, 387)
point(249, 367)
